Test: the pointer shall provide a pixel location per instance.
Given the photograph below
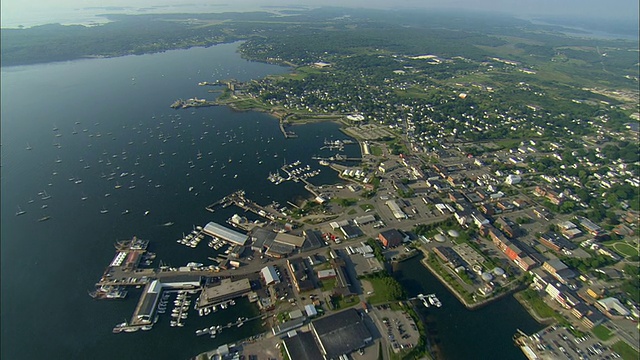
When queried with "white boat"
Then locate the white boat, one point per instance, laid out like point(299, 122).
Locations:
point(45, 196)
point(20, 211)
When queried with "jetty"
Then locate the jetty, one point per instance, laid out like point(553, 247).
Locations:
point(193, 102)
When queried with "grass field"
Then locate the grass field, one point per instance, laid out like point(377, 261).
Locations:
point(602, 332)
point(625, 351)
point(625, 249)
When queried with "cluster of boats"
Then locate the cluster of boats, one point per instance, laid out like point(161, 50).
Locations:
point(212, 331)
point(162, 305)
point(193, 238)
point(429, 300)
point(108, 292)
point(217, 329)
point(181, 309)
point(293, 173)
point(216, 243)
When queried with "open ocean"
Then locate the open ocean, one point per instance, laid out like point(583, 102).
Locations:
point(86, 121)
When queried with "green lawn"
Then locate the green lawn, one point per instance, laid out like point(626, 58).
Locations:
point(366, 207)
point(625, 249)
point(376, 150)
point(539, 306)
point(328, 284)
point(602, 332)
point(626, 351)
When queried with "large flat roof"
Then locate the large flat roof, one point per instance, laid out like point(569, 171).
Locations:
point(225, 233)
point(303, 347)
point(289, 239)
point(341, 333)
point(227, 289)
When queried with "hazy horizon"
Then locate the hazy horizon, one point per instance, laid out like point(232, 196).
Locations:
point(38, 12)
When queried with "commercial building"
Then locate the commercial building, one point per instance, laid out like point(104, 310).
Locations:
point(362, 220)
point(390, 238)
point(396, 210)
point(340, 333)
point(298, 270)
point(269, 275)
point(217, 230)
point(302, 346)
point(312, 240)
point(223, 291)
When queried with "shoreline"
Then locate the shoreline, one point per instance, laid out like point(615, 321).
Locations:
point(458, 296)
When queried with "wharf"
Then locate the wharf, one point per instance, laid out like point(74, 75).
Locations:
point(225, 201)
point(336, 157)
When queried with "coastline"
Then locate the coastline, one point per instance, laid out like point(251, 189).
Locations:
point(463, 301)
point(532, 312)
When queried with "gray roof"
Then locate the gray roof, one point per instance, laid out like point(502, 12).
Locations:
point(313, 240)
point(262, 238)
point(341, 333)
point(302, 347)
point(148, 304)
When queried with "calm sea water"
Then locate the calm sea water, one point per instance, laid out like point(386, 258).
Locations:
point(485, 333)
point(112, 117)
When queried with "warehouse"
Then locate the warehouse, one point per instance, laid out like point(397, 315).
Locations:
point(217, 230)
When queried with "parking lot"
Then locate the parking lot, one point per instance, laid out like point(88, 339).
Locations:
point(558, 343)
point(397, 327)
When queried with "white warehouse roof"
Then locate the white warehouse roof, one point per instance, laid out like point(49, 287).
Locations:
point(269, 274)
point(224, 233)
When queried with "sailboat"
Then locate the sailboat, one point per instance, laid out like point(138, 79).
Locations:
point(104, 211)
point(45, 196)
point(20, 211)
point(29, 147)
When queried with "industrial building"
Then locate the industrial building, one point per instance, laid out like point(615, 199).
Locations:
point(396, 210)
point(340, 333)
point(302, 346)
point(219, 231)
point(313, 240)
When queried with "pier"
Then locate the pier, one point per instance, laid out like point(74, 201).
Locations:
point(337, 157)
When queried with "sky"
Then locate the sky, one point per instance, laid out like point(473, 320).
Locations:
point(35, 12)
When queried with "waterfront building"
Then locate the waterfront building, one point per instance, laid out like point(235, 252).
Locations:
point(223, 291)
point(217, 230)
point(390, 238)
point(288, 326)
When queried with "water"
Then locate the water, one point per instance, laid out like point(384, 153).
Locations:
point(485, 333)
point(113, 116)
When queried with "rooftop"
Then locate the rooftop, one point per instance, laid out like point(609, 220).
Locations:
point(225, 233)
point(341, 333)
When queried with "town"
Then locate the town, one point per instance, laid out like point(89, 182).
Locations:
point(503, 181)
